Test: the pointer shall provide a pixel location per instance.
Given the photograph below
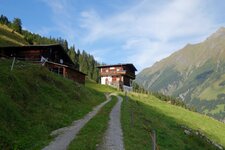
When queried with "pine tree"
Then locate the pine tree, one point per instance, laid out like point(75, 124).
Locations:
point(4, 20)
point(65, 45)
point(17, 25)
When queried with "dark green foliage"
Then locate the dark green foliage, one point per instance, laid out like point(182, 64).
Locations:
point(74, 56)
point(17, 25)
point(85, 62)
point(88, 65)
point(4, 20)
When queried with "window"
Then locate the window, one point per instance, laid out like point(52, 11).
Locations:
point(61, 61)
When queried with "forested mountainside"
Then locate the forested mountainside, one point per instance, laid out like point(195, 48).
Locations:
point(196, 73)
point(12, 33)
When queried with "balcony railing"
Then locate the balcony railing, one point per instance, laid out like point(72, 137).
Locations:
point(120, 72)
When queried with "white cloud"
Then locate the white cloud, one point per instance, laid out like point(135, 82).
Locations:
point(166, 21)
point(145, 32)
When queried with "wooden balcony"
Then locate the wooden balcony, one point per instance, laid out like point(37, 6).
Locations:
point(118, 73)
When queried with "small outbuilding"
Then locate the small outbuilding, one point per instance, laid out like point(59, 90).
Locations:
point(53, 56)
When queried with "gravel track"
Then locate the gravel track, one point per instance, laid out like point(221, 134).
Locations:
point(67, 134)
point(113, 138)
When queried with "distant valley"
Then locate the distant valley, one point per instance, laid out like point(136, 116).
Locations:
point(196, 74)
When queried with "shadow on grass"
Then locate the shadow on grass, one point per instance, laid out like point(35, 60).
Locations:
point(34, 102)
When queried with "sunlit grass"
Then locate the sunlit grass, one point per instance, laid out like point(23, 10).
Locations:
point(167, 120)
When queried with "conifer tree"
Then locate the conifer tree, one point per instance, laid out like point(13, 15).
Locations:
point(17, 25)
point(4, 20)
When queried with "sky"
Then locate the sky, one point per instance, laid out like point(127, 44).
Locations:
point(121, 31)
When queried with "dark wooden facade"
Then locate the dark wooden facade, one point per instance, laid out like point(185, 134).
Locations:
point(53, 53)
point(117, 75)
point(66, 72)
point(54, 57)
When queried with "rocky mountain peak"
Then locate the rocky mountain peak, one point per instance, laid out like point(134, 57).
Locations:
point(220, 33)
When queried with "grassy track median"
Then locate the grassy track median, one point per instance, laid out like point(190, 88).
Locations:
point(91, 134)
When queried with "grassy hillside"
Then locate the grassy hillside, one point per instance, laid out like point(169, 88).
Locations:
point(149, 113)
point(8, 37)
point(34, 102)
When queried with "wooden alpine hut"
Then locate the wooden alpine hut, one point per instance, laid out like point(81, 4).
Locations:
point(53, 56)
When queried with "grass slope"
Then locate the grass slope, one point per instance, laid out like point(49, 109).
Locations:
point(212, 92)
point(167, 120)
point(92, 134)
point(34, 102)
point(8, 37)
point(100, 88)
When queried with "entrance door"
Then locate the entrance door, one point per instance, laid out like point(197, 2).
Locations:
point(106, 81)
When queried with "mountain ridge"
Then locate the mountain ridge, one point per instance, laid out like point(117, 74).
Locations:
point(218, 34)
point(191, 73)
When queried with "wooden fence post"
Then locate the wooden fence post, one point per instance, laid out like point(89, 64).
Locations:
point(153, 140)
point(14, 58)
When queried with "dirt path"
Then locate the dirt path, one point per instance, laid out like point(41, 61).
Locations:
point(113, 139)
point(67, 134)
